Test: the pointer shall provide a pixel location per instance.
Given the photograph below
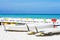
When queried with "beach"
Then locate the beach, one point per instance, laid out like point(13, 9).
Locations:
point(23, 36)
point(11, 35)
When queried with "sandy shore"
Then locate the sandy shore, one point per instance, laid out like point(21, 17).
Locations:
point(23, 36)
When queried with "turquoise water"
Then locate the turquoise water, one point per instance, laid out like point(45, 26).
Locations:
point(57, 16)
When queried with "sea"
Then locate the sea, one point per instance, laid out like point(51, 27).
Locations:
point(42, 16)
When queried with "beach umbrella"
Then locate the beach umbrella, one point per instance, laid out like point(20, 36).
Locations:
point(41, 20)
point(35, 20)
point(1, 19)
point(6, 19)
point(24, 19)
point(49, 20)
point(45, 20)
point(29, 20)
point(54, 20)
point(58, 21)
point(16, 19)
point(9, 20)
point(20, 19)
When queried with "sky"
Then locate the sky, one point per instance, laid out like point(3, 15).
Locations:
point(30, 6)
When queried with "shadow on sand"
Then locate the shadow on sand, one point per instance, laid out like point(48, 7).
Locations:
point(50, 35)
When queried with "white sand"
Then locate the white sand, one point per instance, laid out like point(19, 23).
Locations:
point(23, 36)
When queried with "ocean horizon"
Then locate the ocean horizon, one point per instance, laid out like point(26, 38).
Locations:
point(57, 16)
